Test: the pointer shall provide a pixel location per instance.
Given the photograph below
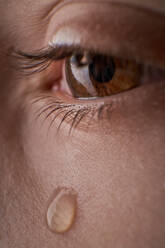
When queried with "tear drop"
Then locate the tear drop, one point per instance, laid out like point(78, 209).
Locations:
point(62, 211)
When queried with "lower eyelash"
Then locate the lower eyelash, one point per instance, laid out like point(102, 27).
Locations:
point(72, 113)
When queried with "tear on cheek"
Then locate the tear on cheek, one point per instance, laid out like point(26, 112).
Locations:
point(62, 211)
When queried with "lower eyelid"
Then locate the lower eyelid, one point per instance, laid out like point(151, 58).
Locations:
point(75, 115)
point(59, 110)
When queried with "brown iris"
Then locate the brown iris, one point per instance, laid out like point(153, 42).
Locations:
point(100, 76)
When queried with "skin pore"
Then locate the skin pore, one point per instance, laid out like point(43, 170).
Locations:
point(116, 168)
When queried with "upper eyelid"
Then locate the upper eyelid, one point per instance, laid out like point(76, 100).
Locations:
point(138, 39)
point(56, 51)
point(43, 55)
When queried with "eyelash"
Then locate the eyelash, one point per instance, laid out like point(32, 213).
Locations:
point(30, 64)
point(76, 113)
point(39, 61)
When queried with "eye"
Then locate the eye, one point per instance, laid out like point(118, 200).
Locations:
point(90, 75)
point(80, 74)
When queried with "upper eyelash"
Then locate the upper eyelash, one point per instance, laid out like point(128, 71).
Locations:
point(38, 61)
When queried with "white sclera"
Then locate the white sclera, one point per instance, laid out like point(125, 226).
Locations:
point(62, 211)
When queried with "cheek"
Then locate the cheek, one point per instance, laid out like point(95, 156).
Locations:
point(118, 176)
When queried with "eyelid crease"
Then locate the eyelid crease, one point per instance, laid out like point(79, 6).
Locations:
point(149, 5)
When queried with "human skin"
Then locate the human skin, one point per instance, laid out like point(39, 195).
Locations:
point(116, 168)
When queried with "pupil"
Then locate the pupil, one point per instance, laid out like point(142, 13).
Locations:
point(102, 69)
